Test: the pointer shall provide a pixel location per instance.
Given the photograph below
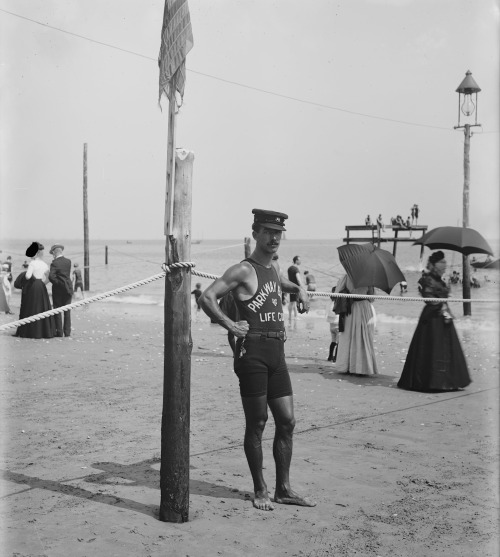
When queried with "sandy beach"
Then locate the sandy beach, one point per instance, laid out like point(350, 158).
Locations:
point(395, 473)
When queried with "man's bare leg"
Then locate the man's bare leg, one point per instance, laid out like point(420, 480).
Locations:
point(255, 409)
point(282, 409)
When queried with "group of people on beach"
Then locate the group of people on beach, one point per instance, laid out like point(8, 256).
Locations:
point(247, 300)
point(35, 297)
point(435, 360)
point(255, 286)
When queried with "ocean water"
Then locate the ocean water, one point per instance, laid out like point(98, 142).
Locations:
point(132, 261)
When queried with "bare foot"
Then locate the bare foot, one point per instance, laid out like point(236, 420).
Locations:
point(262, 502)
point(292, 498)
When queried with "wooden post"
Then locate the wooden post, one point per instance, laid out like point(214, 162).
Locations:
point(465, 222)
point(247, 247)
point(105, 255)
point(174, 471)
point(86, 268)
point(169, 197)
point(394, 247)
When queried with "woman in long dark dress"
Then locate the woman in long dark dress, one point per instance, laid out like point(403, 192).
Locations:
point(435, 360)
point(34, 296)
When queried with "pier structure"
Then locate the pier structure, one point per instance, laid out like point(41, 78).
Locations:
point(376, 235)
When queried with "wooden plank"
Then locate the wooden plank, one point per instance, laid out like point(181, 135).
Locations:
point(387, 227)
point(364, 239)
point(382, 239)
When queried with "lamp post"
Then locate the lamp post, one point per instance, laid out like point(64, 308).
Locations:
point(468, 108)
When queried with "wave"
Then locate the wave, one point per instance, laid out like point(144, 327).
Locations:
point(413, 268)
point(139, 299)
point(468, 324)
point(474, 323)
point(396, 319)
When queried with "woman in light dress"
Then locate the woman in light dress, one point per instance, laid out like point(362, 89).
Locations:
point(5, 290)
point(34, 297)
point(356, 352)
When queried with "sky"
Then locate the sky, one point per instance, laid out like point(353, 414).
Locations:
point(325, 110)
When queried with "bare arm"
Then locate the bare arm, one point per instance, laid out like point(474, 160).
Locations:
point(235, 276)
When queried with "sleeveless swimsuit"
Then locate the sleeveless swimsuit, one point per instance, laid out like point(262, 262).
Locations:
point(259, 360)
point(78, 279)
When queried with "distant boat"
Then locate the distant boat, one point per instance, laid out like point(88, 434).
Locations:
point(129, 242)
point(195, 241)
point(486, 264)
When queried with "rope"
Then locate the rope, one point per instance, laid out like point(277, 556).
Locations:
point(189, 265)
point(204, 275)
point(398, 298)
point(32, 318)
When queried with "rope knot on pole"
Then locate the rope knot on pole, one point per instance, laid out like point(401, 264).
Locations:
point(180, 265)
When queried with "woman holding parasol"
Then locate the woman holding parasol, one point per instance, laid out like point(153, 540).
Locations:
point(435, 360)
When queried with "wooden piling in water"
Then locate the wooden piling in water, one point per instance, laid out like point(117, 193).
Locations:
point(86, 256)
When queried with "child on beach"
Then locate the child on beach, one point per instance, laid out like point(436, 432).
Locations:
point(78, 281)
point(333, 319)
point(197, 293)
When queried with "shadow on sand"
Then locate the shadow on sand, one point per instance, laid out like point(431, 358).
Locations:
point(123, 475)
point(327, 370)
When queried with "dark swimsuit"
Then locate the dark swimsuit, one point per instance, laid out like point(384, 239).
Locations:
point(259, 360)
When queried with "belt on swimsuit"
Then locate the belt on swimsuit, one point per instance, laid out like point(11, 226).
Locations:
point(281, 335)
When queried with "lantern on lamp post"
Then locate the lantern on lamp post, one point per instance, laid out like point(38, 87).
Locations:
point(467, 105)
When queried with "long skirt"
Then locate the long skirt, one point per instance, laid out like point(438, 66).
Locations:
point(356, 352)
point(35, 299)
point(435, 360)
point(4, 304)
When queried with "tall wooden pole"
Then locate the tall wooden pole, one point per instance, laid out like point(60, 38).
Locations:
point(465, 220)
point(86, 259)
point(169, 196)
point(247, 249)
point(174, 471)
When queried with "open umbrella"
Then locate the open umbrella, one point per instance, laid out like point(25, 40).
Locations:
point(368, 265)
point(455, 238)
